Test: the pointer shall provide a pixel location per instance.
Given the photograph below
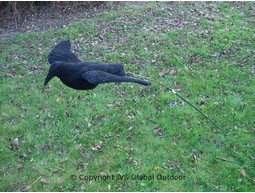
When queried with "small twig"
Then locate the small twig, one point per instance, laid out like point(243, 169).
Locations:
point(28, 187)
point(206, 116)
point(35, 181)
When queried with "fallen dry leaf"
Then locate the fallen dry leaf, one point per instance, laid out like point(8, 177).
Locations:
point(96, 148)
point(44, 181)
point(47, 146)
point(129, 160)
point(19, 166)
point(171, 103)
point(131, 128)
point(24, 189)
point(30, 151)
point(157, 130)
point(109, 105)
point(243, 172)
point(167, 72)
point(14, 144)
point(171, 165)
point(86, 154)
point(200, 103)
point(195, 154)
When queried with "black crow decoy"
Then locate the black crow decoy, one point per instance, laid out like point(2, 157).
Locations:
point(83, 75)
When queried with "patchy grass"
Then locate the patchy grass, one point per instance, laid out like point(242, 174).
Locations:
point(51, 137)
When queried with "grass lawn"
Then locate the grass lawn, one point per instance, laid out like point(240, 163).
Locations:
point(129, 137)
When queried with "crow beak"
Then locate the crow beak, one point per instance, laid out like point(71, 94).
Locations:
point(48, 78)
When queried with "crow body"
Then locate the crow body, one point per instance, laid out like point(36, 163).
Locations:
point(83, 75)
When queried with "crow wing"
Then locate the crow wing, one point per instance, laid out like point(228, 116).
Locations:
point(116, 69)
point(61, 52)
point(99, 77)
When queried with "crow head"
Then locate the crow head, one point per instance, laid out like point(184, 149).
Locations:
point(52, 72)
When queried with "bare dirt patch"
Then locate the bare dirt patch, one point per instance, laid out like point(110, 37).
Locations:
point(43, 16)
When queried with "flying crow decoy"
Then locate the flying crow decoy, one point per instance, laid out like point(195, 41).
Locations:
point(83, 75)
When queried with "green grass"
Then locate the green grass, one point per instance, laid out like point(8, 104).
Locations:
point(129, 129)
